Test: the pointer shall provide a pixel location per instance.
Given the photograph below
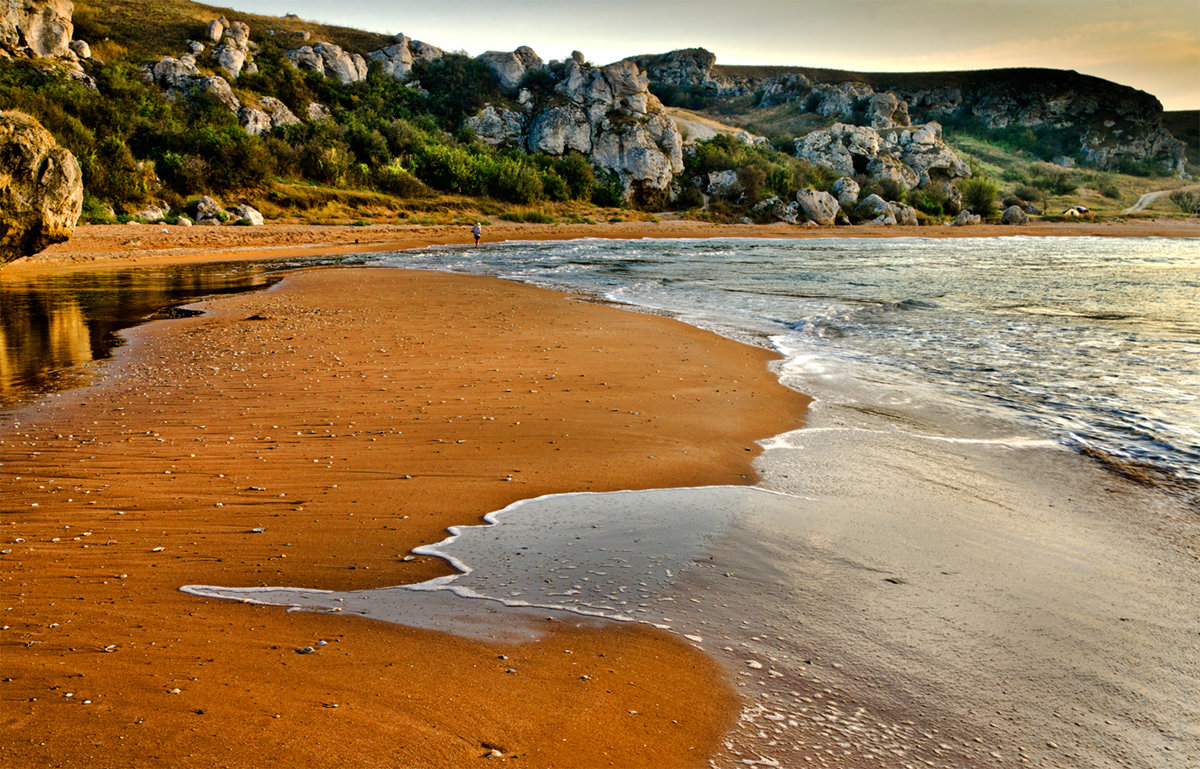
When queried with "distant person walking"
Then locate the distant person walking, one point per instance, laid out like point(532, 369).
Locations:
point(477, 230)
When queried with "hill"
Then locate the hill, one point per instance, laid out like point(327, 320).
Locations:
point(316, 123)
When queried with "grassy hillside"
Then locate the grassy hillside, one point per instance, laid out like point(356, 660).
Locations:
point(124, 30)
point(392, 153)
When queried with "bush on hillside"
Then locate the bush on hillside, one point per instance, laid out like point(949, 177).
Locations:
point(979, 196)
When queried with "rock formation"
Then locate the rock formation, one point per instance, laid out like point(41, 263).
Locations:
point(606, 113)
point(1107, 124)
point(912, 157)
point(882, 212)
point(41, 29)
point(818, 206)
point(1014, 215)
point(510, 68)
point(331, 61)
point(234, 55)
point(846, 190)
point(397, 60)
point(41, 188)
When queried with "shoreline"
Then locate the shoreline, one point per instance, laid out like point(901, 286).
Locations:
point(409, 401)
point(128, 244)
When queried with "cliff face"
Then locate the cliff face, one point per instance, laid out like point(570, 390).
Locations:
point(1105, 124)
point(606, 113)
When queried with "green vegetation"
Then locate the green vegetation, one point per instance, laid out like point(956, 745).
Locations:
point(762, 172)
point(1187, 201)
point(979, 195)
point(135, 144)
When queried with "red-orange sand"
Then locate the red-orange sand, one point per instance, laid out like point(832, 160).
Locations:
point(352, 414)
point(100, 244)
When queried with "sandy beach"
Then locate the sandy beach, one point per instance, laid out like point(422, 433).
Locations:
point(312, 435)
point(101, 245)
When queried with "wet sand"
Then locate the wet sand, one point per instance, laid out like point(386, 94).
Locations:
point(100, 245)
point(313, 434)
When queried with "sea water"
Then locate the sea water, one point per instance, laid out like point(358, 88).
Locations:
point(979, 552)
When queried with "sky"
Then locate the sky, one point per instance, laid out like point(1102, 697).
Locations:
point(1153, 45)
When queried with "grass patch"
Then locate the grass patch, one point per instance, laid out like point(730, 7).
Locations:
point(528, 216)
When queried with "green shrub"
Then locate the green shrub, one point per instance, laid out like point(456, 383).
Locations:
point(576, 170)
point(1187, 201)
point(979, 195)
point(928, 202)
point(689, 197)
point(611, 194)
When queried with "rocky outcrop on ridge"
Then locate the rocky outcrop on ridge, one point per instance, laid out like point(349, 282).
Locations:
point(1109, 123)
point(510, 68)
point(331, 61)
point(234, 54)
point(606, 113)
point(1106, 124)
point(913, 157)
point(41, 188)
point(42, 29)
point(397, 60)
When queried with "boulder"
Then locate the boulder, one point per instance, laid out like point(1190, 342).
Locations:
point(209, 209)
point(877, 209)
point(278, 111)
point(183, 221)
point(395, 61)
point(1014, 215)
point(306, 59)
point(331, 61)
point(40, 28)
point(169, 72)
point(81, 49)
point(254, 121)
point(966, 219)
point(41, 188)
point(316, 111)
point(231, 60)
point(216, 87)
point(913, 157)
point(906, 215)
point(775, 208)
point(723, 184)
point(846, 191)
point(151, 214)
point(216, 29)
point(510, 68)
point(246, 214)
point(345, 67)
point(499, 126)
point(237, 36)
point(818, 206)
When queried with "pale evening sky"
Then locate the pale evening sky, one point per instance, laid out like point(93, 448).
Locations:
point(1153, 45)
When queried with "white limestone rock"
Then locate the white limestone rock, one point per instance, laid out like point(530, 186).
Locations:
point(246, 214)
point(559, 129)
point(723, 184)
point(40, 28)
point(499, 126)
point(818, 206)
point(510, 68)
point(846, 191)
